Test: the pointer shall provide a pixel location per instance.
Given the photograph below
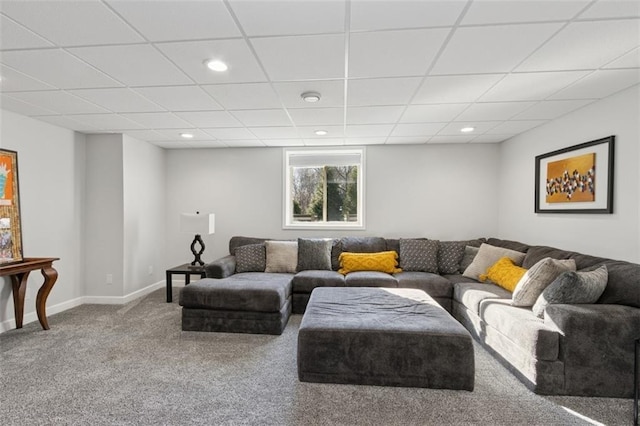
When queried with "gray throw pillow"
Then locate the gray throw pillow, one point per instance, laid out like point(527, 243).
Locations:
point(314, 254)
point(282, 256)
point(470, 253)
point(539, 277)
point(419, 255)
point(450, 254)
point(573, 288)
point(251, 258)
point(487, 256)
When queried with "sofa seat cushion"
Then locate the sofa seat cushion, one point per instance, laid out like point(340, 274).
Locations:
point(523, 328)
point(433, 284)
point(306, 281)
point(370, 279)
point(459, 278)
point(471, 294)
point(250, 291)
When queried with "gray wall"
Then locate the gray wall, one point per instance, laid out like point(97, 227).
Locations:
point(436, 191)
point(614, 235)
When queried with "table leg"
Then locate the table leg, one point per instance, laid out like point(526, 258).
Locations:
point(169, 289)
point(50, 276)
point(187, 278)
point(19, 287)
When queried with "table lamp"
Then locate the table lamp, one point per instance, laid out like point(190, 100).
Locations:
point(198, 224)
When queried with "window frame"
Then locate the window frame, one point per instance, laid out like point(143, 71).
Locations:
point(287, 212)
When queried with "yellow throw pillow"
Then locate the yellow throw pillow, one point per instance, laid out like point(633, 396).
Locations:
point(505, 273)
point(384, 261)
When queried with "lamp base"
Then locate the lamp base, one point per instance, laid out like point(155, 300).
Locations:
point(197, 254)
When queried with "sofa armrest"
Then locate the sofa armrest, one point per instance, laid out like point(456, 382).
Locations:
point(221, 268)
point(596, 347)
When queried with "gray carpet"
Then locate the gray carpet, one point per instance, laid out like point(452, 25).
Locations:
point(132, 364)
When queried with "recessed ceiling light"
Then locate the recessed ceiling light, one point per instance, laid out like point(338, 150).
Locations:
point(310, 97)
point(321, 132)
point(186, 135)
point(216, 65)
point(467, 129)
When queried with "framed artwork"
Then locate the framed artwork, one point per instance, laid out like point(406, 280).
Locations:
point(577, 179)
point(10, 226)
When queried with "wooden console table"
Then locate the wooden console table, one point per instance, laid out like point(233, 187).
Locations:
point(19, 273)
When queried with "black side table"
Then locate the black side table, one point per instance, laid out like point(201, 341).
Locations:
point(187, 270)
point(636, 379)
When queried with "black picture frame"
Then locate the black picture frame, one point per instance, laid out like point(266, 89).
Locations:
point(604, 150)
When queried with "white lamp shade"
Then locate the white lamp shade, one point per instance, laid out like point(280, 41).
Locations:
point(200, 224)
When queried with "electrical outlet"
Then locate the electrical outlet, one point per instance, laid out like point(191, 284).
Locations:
point(109, 278)
point(150, 270)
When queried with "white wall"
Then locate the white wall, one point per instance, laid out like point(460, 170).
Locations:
point(614, 235)
point(144, 214)
point(437, 191)
point(51, 164)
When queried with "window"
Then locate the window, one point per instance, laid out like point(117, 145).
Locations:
point(324, 189)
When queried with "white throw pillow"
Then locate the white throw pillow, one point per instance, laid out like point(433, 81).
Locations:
point(282, 256)
point(487, 256)
point(536, 279)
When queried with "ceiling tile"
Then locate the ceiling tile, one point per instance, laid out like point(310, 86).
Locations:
point(324, 142)
point(628, 60)
point(210, 118)
point(368, 130)
point(145, 135)
point(265, 18)
point(408, 140)
point(72, 23)
point(420, 129)
point(432, 113)
point(175, 134)
point(16, 105)
point(548, 110)
point(515, 126)
point(207, 144)
point(14, 81)
point(244, 96)
point(59, 101)
point(613, 9)
point(180, 98)
point(453, 89)
point(531, 86)
point(191, 56)
point(262, 117)
point(308, 132)
point(302, 58)
point(491, 49)
point(158, 120)
point(365, 141)
point(492, 138)
point(133, 65)
point(67, 123)
point(381, 91)
point(230, 133)
point(374, 114)
point(331, 93)
point(494, 12)
point(106, 121)
point(118, 100)
point(453, 129)
point(275, 132)
point(311, 116)
point(283, 142)
point(244, 143)
point(394, 53)
point(585, 45)
point(383, 15)
point(178, 20)
point(63, 70)
point(15, 36)
point(172, 144)
point(600, 84)
point(493, 111)
point(450, 139)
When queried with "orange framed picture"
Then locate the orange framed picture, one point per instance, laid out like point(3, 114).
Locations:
point(577, 179)
point(10, 226)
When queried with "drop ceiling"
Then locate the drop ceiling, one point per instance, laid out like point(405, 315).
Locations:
point(389, 72)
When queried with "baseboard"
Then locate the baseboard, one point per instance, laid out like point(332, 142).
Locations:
point(10, 324)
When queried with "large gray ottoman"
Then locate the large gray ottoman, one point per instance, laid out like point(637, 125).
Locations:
point(258, 303)
point(383, 336)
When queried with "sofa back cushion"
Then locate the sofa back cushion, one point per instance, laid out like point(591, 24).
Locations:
point(238, 241)
point(363, 244)
point(508, 244)
point(623, 287)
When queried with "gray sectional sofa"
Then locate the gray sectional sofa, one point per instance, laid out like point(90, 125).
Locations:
point(581, 349)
